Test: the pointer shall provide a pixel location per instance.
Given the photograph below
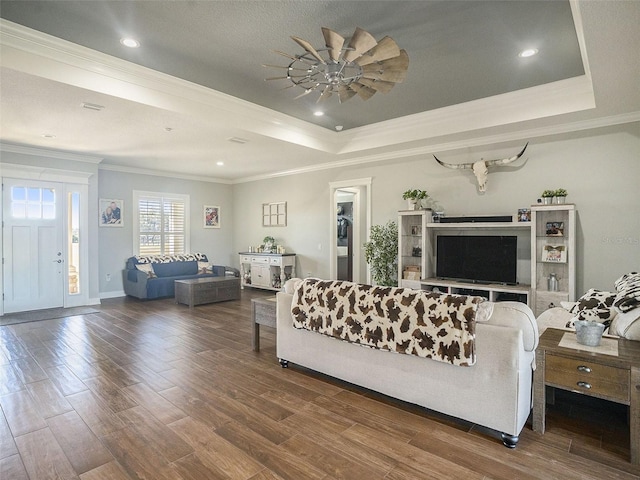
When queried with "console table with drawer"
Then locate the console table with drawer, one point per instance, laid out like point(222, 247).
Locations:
point(266, 270)
point(589, 372)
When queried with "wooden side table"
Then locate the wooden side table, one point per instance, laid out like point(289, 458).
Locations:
point(263, 312)
point(614, 378)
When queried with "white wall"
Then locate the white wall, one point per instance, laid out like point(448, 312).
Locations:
point(599, 168)
point(116, 244)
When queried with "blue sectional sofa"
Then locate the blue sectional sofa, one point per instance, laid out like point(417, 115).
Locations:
point(153, 276)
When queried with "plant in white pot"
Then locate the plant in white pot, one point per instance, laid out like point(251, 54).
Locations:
point(547, 196)
point(381, 253)
point(560, 195)
point(414, 198)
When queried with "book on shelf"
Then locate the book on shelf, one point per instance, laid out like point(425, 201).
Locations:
point(554, 254)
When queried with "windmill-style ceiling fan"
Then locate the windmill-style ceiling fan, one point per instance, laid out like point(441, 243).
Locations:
point(364, 67)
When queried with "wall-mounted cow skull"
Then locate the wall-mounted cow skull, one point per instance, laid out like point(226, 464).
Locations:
point(481, 167)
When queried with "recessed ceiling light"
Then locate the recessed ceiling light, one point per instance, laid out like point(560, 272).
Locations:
point(168, 129)
point(130, 42)
point(529, 52)
point(220, 164)
point(48, 135)
point(237, 140)
point(318, 113)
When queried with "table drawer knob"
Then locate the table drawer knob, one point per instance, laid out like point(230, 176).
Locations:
point(584, 368)
point(584, 385)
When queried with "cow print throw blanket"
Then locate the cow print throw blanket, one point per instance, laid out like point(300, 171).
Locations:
point(402, 320)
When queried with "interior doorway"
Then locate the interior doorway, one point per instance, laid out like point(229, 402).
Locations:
point(345, 225)
point(350, 221)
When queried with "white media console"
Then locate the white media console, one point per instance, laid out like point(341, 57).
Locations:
point(417, 232)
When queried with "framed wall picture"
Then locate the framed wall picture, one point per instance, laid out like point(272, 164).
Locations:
point(111, 212)
point(211, 216)
point(554, 254)
point(274, 214)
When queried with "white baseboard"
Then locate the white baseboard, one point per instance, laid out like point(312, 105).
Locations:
point(116, 294)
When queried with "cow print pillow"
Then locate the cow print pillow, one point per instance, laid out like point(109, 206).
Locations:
point(628, 292)
point(595, 305)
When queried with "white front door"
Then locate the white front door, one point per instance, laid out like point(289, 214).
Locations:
point(34, 259)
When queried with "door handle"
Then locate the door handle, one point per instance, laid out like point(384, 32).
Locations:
point(57, 261)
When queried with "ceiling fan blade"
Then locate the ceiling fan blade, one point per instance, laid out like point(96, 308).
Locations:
point(326, 93)
point(365, 92)
point(309, 48)
point(289, 76)
point(385, 49)
point(361, 41)
point(378, 85)
point(393, 76)
point(334, 42)
point(345, 93)
point(306, 92)
point(391, 70)
point(292, 57)
point(285, 67)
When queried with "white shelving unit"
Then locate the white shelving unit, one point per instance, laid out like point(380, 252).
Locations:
point(412, 247)
point(551, 231)
point(553, 251)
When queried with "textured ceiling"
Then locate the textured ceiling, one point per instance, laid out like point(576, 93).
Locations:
point(197, 80)
point(458, 50)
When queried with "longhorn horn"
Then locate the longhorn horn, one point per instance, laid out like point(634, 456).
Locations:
point(505, 161)
point(455, 166)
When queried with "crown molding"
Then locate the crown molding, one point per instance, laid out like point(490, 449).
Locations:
point(557, 98)
point(45, 152)
point(31, 172)
point(480, 141)
point(159, 173)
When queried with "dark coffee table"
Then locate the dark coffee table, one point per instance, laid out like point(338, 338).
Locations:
point(197, 291)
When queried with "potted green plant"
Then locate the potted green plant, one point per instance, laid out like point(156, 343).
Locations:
point(413, 197)
point(381, 253)
point(547, 196)
point(268, 244)
point(560, 195)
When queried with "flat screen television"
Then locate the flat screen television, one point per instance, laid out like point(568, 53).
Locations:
point(477, 258)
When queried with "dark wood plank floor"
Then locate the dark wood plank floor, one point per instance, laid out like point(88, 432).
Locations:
point(151, 390)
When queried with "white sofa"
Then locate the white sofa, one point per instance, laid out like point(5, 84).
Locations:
point(495, 392)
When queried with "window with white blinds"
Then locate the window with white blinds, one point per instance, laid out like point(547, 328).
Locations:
point(162, 223)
